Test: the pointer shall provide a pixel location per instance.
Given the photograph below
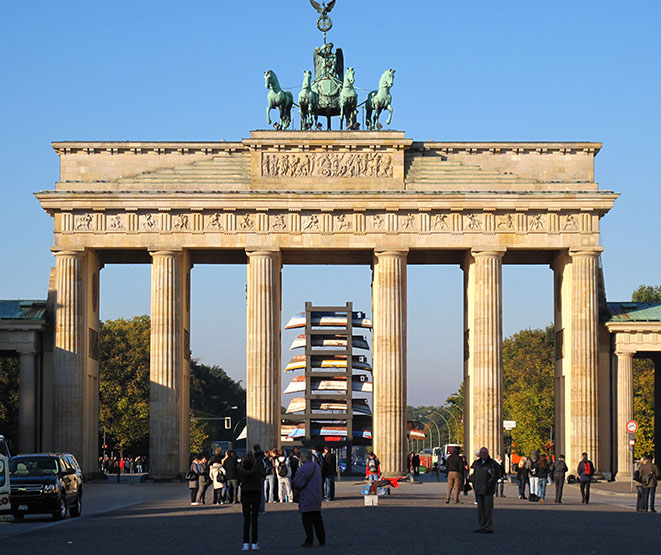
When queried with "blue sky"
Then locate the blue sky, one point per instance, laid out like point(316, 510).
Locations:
point(514, 70)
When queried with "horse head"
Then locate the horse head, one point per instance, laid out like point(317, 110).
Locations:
point(307, 78)
point(270, 80)
point(387, 79)
point(349, 78)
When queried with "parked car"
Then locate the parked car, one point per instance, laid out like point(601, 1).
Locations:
point(45, 483)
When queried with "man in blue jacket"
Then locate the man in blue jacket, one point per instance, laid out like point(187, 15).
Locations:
point(308, 481)
point(486, 473)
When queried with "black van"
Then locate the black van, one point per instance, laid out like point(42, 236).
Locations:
point(49, 483)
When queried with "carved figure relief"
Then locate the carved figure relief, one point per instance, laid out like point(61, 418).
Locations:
point(84, 222)
point(505, 222)
point(570, 223)
point(409, 222)
point(377, 221)
point(343, 222)
point(474, 222)
point(312, 222)
point(116, 222)
point(149, 222)
point(341, 164)
point(441, 221)
point(536, 222)
point(279, 222)
point(215, 221)
point(180, 221)
point(246, 222)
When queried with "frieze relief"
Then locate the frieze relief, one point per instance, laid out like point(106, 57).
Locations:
point(327, 164)
point(360, 221)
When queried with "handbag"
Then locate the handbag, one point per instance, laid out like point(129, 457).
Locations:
point(190, 475)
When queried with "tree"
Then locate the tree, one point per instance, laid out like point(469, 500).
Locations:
point(528, 389)
point(643, 383)
point(9, 369)
point(124, 381)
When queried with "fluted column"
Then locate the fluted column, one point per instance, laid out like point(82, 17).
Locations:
point(584, 352)
point(68, 371)
point(389, 358)
point(27, 403)
point(165, 361)
point(263, 349)
point(485, 350)
point(624, 413)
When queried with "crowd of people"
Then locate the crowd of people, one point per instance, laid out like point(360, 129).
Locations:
point(123, 465)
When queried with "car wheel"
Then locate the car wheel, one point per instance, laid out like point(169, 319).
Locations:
point(61, 510)
point(77, 508)
point(18, 516)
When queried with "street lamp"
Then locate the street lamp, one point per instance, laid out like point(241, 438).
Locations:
point(447, 425)
point(437, 428)
point(456, 423)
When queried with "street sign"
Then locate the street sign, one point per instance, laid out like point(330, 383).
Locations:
point(632, 442)
point(632, 426)
point(509, 424)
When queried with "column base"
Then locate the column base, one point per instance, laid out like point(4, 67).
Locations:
point(623, 477)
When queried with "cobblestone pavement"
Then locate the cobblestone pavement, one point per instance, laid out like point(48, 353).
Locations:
point(158, 518)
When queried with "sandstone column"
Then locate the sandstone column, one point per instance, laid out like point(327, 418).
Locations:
point(27, 403)
point(68, 371)
point(624, 413)
point(389, 357)
point(165, 365)
point(484, 358)
point(263, 349)
point(584, 351)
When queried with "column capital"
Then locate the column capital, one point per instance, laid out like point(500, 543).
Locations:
point(165, 252)
point(585, 251)
point(493, 252)
point(393, 253)
point(77, 253)
point(624, 354)
point(27, 352)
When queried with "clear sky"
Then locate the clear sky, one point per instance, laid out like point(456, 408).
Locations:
point(466, 71)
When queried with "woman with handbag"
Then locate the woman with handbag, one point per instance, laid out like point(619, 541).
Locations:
point(307, 486)
point(217, 476)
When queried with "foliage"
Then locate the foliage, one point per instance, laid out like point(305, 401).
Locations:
point(528, 389)
point(124, 381)
point(647, 294)
point(198, 436)
point(9, 369)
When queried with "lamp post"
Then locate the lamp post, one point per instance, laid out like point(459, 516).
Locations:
point(438, 430)
point(447, 425)
point(456, 423)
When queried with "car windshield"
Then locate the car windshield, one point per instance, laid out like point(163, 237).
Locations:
point(33, 466)
point(2, 472)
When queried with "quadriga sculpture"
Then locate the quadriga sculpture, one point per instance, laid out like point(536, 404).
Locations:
point(380, 100)
point(308, 103)
point(278, 98)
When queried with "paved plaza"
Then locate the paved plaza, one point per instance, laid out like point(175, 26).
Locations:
point(146, 518)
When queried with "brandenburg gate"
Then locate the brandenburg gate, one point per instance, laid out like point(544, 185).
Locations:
point(327, 197)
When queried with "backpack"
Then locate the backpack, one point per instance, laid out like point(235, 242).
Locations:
point(587, 468)
point(220, 476)
point(282, 469)
point(645, 480)
point(268, 467)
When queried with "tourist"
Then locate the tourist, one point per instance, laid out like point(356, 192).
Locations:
point(294, 461)
point(454, 469)
point(251, 477)
point(270, 482)
point(373, 468)
point(558, 471)
point(329, 471)
point(486, 473)
point(203, 481)
point(283, 472)
point(231, 490)
point(543, 469)
point(522, 473)
point(193, 480)
point(503, 475)
point(467, 486)
point(259, 458)
point(308, 481)
point(585, 473)
point(647, 476)
point(415, 463)
point(217, 477)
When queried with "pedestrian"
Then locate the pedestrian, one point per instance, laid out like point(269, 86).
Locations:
point(558, 471)
point(270, 482)
point(543, 470)
point(118, 470)
point(532, 476)
point(454, 468)
point(231, 492)
point(217, 477)
point(259, 459)
point(647, 477)
point(308, 481)
point(329, 471)
point(486, 473)
point(372, 468)
point(294, 461)
point(415, 462)
point(203, 481)
point(283, 472)
point(251, 478)
point(467, 486)
point(193, 482)
point(501, 481)
point(522, 473)
point(585, 473)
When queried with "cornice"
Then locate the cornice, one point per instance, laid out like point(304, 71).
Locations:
point(569, 147)
point(140, 147)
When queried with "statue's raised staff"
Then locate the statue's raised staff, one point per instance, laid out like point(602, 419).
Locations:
point(380, 100)
point(278, 98)
point(308, 103)
point(348, 100)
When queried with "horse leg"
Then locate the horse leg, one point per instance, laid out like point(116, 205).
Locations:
point(341, 115)
point(389, 115)
point(268, 114)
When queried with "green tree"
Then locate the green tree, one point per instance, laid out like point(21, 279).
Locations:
point(9, 369)
point(124, 381)
point(647, 294)
point(528, 393)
